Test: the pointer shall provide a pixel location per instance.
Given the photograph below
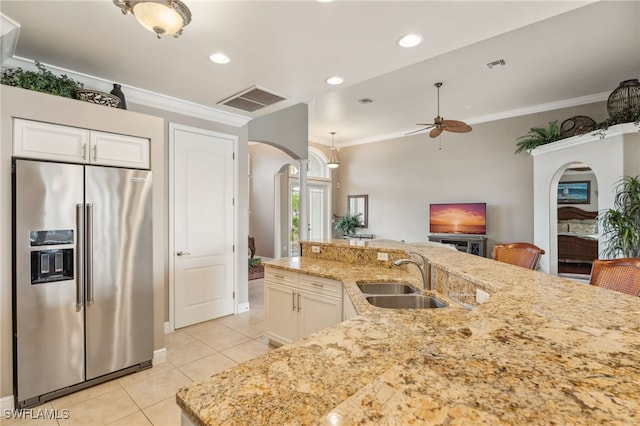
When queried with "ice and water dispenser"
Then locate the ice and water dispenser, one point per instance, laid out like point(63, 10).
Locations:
point(50, 264)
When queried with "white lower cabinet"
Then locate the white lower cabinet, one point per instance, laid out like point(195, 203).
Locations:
point(297, 305)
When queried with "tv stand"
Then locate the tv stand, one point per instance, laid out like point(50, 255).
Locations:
point(472, 244)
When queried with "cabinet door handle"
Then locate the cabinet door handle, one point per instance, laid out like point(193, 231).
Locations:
point(84, 151)
point(278, 276)
point(293, 300)
point(299, 307)
point(317, 285)
point(95, 152)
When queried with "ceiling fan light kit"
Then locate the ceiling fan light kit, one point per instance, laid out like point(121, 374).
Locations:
point(440, 124)
point(159, 16)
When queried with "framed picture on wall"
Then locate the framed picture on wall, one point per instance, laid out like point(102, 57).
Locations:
point(578, 192)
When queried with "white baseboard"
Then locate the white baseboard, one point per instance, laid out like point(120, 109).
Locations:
point(243, 307)
point(159, 356)
point(6, 403)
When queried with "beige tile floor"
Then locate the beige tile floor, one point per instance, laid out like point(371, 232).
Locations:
point(148, 397)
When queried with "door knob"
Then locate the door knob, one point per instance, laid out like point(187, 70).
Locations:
point(182, 253)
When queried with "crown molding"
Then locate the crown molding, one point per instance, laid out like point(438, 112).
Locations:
point(533, 109)
point(140, 96)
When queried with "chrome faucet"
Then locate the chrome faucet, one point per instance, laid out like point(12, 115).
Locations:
point(425, 268)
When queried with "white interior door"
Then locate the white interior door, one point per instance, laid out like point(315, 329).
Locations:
point(203, 239)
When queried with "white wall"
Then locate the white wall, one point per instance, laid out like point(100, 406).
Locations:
point(402, 176)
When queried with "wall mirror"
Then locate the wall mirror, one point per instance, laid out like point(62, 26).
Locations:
point(359, 204)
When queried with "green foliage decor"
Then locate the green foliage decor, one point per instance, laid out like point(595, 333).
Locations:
point(348, 223)
point(42, 80)
point(621, 224)
point(254, 261)
point(538, 136)
point(629, 115)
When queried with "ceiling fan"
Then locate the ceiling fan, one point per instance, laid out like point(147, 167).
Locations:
point(440, 124)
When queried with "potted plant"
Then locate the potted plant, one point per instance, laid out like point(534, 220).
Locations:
point(348, 223)
point(621, 224)
point(42, 80)
point(538, 136)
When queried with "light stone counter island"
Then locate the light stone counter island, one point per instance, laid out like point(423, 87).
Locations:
point(541, 350)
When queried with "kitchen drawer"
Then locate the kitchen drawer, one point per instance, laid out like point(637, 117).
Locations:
point(281, 276)
point(321, 285)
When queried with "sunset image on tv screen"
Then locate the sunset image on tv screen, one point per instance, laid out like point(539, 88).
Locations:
point(458, 218)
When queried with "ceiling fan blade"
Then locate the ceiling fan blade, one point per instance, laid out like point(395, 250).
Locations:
point(454, 123)
point(464, 128)
point(419, 130)
point(435, 132)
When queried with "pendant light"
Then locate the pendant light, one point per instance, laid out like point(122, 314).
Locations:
point(333, 162)
point(159, 16)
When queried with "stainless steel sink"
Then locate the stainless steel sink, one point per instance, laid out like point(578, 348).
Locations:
point(387, 288)
point(406, 301)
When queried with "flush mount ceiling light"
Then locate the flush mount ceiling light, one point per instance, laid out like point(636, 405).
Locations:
point(220, 58)
point(335, 80)
point(410, 40)
point(333, 162)
point(159, 16)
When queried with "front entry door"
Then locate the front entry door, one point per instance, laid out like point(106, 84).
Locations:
point(203, 212)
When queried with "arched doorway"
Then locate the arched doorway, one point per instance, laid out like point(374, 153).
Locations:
point(576, 193)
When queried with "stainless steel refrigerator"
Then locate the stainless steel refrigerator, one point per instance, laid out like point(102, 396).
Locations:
point(82, 276)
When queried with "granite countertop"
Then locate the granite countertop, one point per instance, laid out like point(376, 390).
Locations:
point(542, 350)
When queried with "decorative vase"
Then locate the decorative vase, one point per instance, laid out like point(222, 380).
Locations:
point(117, 91)
point(625, 96)
point(97, 97)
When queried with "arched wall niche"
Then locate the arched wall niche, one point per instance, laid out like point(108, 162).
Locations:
point(611, 157)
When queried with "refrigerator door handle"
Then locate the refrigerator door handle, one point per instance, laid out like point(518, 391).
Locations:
point(79, 258)
point(89, 251)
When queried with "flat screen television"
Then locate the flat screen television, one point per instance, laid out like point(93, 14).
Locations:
point(458, 218)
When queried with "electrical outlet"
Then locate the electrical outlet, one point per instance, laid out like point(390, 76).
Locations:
point(383, 256)
point(315, 249)
point(481, 296)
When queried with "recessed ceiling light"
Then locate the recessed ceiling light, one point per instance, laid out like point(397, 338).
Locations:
point(335, 80)
point(324, 1)
point(410, 40)
point(220, 58)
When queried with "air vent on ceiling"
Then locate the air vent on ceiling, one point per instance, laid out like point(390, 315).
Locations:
point(496, 64)
point(252, 99)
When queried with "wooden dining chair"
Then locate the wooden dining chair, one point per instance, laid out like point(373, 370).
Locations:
point(622, 275)
point(520, 254)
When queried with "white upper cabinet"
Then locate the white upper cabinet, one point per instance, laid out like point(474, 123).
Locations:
point(45, 141)
point(112, 149)
point(34, 139)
